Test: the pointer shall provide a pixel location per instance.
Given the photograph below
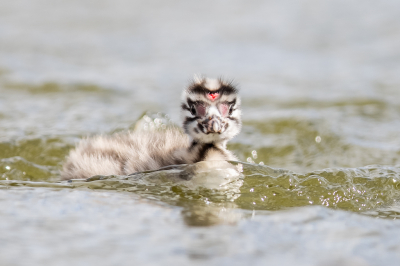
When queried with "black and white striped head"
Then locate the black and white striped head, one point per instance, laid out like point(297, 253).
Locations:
point(211, 110)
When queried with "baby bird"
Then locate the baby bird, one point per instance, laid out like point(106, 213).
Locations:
point(211, 117)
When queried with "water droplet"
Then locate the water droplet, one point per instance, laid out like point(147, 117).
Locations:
point(251, 189)
point(8, 167)
point(318, 139)
point(240, 167)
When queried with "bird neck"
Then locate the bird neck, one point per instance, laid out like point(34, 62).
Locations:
point(197, 144)
point(208, 151)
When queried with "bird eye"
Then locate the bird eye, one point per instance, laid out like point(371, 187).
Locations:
point(230, 109)
point(192, 110)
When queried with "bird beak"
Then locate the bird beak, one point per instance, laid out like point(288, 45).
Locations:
point(213, 124)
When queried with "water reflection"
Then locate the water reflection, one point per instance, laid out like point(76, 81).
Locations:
point(320, 89)
point(210, 193)
point(211, 214)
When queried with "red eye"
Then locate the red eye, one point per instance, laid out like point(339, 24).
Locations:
point(223, 109)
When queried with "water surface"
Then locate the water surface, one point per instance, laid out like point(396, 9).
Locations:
point(320, 145)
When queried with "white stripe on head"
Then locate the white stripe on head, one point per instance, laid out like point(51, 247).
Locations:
point(212, 84)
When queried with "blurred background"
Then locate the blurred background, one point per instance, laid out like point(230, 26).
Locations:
point(320, 87)
point(319, 80)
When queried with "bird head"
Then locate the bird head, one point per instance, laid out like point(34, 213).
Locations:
point(211, 110)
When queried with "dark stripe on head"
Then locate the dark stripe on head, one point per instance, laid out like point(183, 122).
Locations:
point(233, 102)
point(226, 88)
point(185, 107)
point(231, 106)
point(190, 102)
point(234, 119)
point(201, 127)
point(187, 121)
point(190, 119)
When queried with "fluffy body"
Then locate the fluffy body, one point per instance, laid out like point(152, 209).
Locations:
point(208, 121)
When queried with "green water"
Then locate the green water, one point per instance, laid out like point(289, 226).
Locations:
point(368, 190)
point(317, 182)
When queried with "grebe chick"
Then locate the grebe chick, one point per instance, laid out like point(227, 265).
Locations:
point(211, 117)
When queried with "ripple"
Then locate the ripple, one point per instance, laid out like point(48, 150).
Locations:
point(17, 168)
point(370, 190)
